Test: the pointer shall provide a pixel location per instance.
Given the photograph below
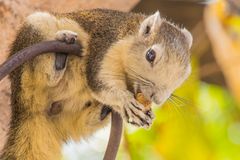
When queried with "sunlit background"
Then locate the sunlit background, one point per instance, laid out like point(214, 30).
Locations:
point(203, 121)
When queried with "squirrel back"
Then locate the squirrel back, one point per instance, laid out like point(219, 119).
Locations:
point(31, 124)
point(124, 54)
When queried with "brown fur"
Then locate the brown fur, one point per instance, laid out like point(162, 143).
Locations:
point(107, 37)
point(105, 28)
point(33, 134)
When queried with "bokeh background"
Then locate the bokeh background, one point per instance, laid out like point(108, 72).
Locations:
point(202, 122)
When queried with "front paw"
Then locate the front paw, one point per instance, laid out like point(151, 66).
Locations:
point(66, 36)
point(136, 114)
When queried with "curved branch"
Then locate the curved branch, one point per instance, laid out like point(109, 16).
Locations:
point(115, 137)
point(30, 52)
point(55, 46)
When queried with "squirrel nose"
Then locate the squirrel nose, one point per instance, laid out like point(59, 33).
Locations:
point(155, 99)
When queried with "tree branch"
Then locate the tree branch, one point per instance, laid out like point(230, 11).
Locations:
point(115, 137)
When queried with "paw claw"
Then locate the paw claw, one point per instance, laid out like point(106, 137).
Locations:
point(150, 114)
point(134, 114)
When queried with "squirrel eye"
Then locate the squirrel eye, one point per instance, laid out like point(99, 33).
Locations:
point(147, 30)
point(151, 55)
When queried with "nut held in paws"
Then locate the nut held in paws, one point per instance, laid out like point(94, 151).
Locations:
point(141, 99)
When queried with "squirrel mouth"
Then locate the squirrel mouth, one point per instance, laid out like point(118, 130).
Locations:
point(139, 96)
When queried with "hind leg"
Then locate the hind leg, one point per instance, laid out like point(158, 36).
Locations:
point(50, 68)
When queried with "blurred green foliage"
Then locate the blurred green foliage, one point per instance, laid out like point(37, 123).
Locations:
point(203, 124)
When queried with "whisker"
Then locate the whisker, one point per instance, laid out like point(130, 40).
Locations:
point(121, 77)
point(180, 99)
point(178, 102)
point(140, 77)
point(118, 78)
point(139, 80)
point(170, 101)
point(179, 110)
point(175, 107)
point(174, 102)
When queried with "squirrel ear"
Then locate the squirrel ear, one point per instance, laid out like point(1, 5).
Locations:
point(188, 36)
point(150, 24)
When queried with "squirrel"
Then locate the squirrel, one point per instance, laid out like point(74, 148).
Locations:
point(56, 96)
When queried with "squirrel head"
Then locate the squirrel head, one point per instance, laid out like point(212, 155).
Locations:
point(158, 60)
